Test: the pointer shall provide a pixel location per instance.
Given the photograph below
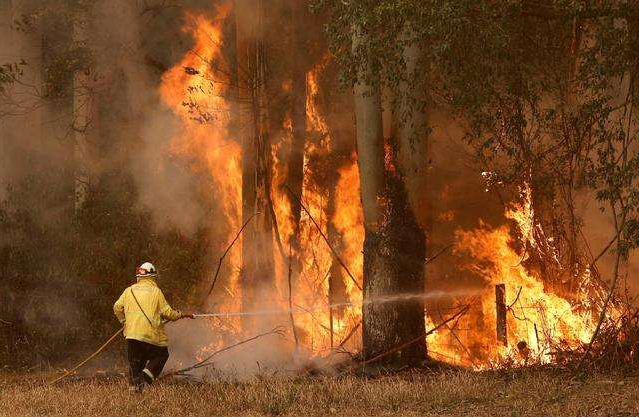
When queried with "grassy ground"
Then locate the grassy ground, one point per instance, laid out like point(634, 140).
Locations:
point(527, 393)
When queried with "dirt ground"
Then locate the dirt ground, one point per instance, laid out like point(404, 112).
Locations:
point(539, 393)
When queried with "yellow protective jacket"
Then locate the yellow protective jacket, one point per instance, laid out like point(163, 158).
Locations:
point(154, 305)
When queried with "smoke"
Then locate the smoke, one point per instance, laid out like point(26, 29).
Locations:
point(598, 231)
point(166, 186)
point(193, 341)
point(48, 289)
point(124, 84)
point(21, 145)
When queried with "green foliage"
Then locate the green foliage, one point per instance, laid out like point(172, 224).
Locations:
point(546, 91)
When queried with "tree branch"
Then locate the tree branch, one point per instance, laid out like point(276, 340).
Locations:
point(219, 263)
point(204, 362)
point(319, 229)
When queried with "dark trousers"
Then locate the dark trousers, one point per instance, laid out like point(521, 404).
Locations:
point(145, 356)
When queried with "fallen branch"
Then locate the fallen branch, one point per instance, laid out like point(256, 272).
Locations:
point(340, 347)
point(417, 339)
point(219, 263)
point(204, 362)
point(319, 229)
point(350, 334)
point(96, 353)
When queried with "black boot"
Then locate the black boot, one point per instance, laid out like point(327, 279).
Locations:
point(147, 376)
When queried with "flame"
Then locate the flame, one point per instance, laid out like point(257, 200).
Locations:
point(538, 320)
point(349, 223)
point(536, 315)
point(191, 89)
point(197, 95)
point(209, 142)
point(312, 287)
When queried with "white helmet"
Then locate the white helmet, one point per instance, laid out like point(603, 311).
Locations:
point(146, 270)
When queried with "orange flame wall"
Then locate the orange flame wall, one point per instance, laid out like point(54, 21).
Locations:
point(193, 91)
point(196, 94)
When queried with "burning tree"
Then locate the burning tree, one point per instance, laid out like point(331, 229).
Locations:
point(383, 55)
point(394, 245)
point(565, 130)
point(545, 94)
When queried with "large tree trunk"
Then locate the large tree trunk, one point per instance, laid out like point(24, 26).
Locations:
point(393, 243)
point(410, 121)
point(257, 244)
point(370, 142)
point(370, 152)
point(408, 186)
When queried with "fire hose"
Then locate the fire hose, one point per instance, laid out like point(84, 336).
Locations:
point(93, 355)
point(199, 315)
point(112, 338)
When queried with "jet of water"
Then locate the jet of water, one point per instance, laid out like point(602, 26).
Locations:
point(375, 300)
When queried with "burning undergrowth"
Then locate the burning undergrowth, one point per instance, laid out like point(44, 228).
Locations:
point(518, 318)
point(513, 317)
point(614, 349)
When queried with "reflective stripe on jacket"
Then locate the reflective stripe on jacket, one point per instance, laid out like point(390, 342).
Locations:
point(154, 305)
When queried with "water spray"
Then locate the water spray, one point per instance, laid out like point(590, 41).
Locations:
point(317, 308)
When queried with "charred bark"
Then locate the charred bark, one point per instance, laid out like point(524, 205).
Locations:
point(394, 245)
point(501, 314)
point(393, 265)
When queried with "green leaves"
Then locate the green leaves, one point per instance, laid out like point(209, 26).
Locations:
point(546, 89)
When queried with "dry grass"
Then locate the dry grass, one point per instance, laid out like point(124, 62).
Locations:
point(529, 393)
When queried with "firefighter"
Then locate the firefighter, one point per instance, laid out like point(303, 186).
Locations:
point(143, 310)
